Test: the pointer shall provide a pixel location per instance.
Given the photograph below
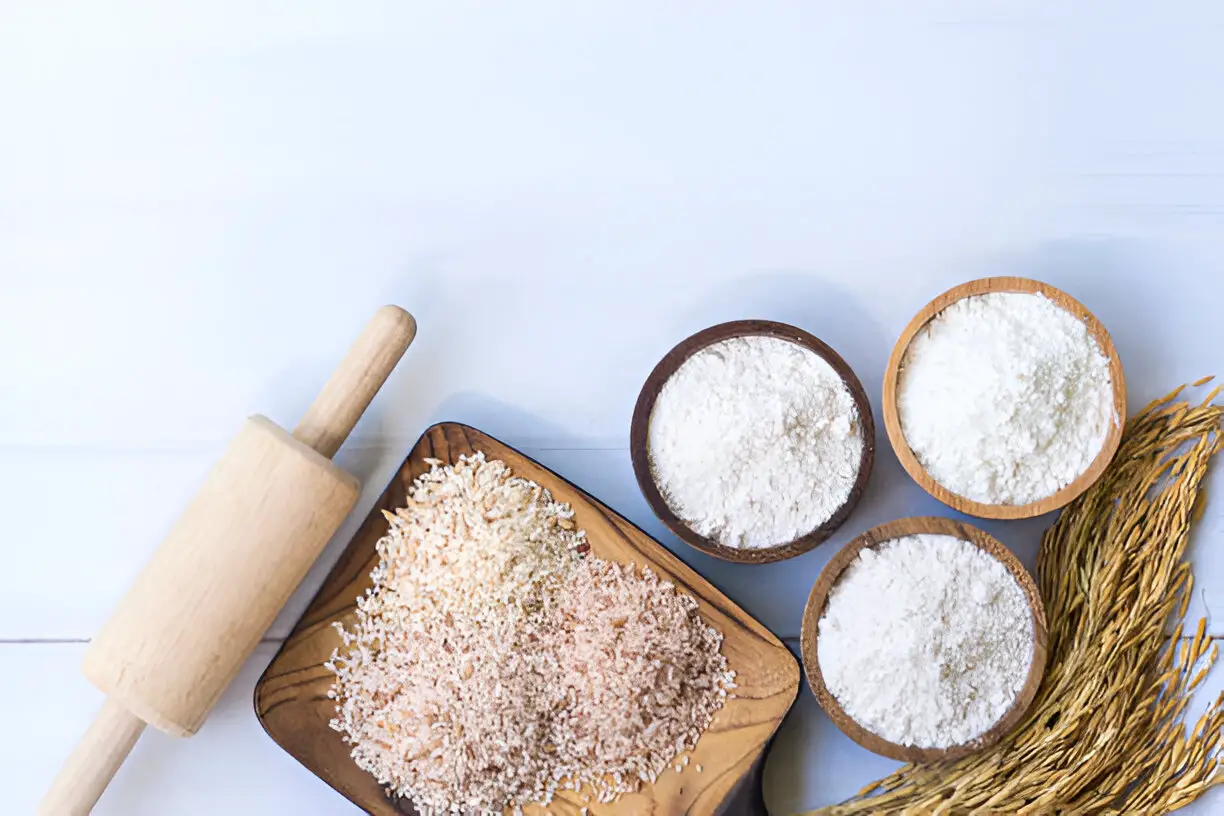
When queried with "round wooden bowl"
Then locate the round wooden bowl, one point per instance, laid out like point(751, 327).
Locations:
point(640, 428)
point(892, 415)
point(820, 596)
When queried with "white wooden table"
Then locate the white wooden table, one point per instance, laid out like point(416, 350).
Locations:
point(199, 208)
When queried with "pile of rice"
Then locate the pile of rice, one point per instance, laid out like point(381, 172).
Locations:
point(495, 661)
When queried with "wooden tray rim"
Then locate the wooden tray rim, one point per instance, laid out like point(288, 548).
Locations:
point(665, 557)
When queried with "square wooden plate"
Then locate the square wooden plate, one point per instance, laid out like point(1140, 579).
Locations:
point(291, 697)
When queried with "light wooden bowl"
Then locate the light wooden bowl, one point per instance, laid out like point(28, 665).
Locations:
point(892, 416)
point(640, 428)
point(820, 596)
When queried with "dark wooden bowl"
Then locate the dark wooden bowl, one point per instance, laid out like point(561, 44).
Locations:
point(892, 413)
point(640, 428)
point(820, 596)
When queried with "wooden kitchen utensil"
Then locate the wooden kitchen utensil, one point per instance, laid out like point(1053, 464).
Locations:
point(211, 590)
point(292, 703)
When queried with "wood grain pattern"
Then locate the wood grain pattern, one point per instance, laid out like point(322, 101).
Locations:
point(291, 697)
point(892, 417)
point(820, 595)
point(640, 429)
point(187, 624)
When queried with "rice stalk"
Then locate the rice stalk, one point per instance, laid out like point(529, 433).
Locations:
point(1107, 732)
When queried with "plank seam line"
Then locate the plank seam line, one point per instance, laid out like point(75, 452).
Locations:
point(277, 641)
point(212, 448)
point(66, 641)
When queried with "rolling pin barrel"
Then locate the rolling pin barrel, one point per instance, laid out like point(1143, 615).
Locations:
point(200, 606)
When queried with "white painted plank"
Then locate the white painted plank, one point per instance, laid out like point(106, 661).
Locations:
point(206, 215)
point(84, 524)
point(231, 766)
point(564, 328)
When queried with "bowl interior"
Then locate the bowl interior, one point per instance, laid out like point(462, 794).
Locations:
point(820, 595)
point(640, 429)
point(892, 416)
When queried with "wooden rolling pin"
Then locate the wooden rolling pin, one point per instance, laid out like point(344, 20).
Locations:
point(216, 583)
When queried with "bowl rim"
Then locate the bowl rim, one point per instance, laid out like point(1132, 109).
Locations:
point(909, 460)
point(640, 428)
point(819, 596)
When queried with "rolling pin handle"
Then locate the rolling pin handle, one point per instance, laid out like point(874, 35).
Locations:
point(93, 762)
point(331, 417)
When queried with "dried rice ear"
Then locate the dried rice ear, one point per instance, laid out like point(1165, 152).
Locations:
point(1107, 733)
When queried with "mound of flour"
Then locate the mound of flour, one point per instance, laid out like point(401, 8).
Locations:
point(926, 641)
point(1005, 398)
point(755, 441)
